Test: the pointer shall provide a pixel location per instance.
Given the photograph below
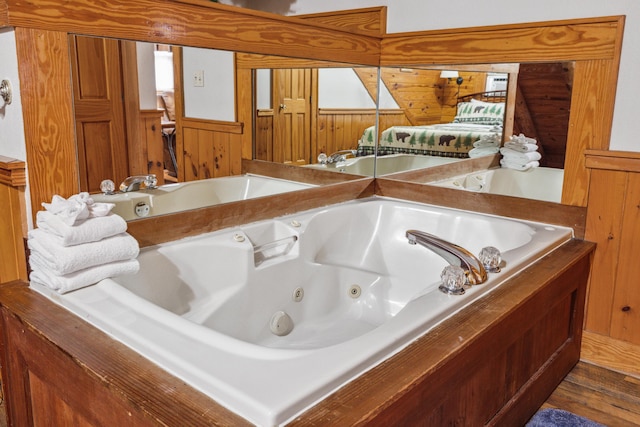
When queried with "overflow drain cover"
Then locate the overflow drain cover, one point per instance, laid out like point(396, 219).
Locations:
point(281, 323)
point(355, 291)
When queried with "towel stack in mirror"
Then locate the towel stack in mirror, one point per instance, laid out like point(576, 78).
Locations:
point(485, 146)
point(78, 243)
point(520, 153)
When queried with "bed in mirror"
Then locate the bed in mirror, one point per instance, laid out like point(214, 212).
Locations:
point(536, 98)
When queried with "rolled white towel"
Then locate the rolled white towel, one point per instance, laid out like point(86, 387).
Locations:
point(76, 208)
point(483, 151)
point(519, 165)
point(63, 260)
point(523, 148)
point(518, 156)
point(85, 277)
point(85, 231)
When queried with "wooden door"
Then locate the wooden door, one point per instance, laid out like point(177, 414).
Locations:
point(99, 111)
point(292, 116)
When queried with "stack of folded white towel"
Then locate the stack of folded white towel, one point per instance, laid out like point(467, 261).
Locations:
point(485, 146)
point(78, 243)
point(520, 153)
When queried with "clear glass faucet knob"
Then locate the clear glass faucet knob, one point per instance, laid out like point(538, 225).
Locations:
point(107, 186)
point(453, 280)
point(491, 259)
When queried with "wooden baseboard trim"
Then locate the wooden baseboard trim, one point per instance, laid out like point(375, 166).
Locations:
point(611, 353)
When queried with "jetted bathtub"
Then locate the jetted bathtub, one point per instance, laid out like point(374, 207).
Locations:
point(270, 317)
point(385, 165)
point(181, 196)
point(536, 183)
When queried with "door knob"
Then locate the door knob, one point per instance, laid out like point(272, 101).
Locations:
point(283, 106)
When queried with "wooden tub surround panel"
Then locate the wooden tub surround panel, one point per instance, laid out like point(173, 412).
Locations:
point(494, 362)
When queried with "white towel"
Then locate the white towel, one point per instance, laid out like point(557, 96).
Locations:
point(483, 151)
point(523, 148)
point(85, 231)
point(63, 260)
point(83, 278)
point(76, 208)
point(512, 155)
point(490, 140)
point(519, 165)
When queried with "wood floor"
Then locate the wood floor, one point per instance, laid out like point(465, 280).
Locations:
point(602, 395)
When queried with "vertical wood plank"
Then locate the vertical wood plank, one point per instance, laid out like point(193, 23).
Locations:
point(625, 316)
point(47, 105)
point(604, 216)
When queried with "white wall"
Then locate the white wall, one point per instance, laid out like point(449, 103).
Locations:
point(416, 15)
point(146, 76)
point(216, 99)
point(12, 142)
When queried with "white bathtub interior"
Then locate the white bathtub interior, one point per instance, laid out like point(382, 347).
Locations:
point(175, 197)
point(538, 183)
point(355, 291)
point(385, 165)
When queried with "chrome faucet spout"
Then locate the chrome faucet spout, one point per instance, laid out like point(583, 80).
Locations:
point(338, 156)
point(134, 183)
point(452, 253)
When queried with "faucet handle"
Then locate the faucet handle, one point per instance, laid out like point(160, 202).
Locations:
point(322, 158)
point(107, 187)
point(151, 181)
point(453, 280)
point(491, 259)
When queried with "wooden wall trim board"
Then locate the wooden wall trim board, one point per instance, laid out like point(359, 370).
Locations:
point(370, 20)
point(198, 24)
point(12, 229)
point(611, 353)
point(623, 161)
point(12, 172)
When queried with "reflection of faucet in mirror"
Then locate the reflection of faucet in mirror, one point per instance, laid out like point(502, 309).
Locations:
point(337, 157)
point(134, 183)
point(452, 253)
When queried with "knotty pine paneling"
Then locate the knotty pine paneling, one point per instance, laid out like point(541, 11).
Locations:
point(210, 154)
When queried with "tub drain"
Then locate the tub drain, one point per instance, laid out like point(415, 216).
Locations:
point(281, 323)
point(355, 291)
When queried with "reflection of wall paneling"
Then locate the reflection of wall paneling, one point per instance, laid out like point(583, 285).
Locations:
point(209, 149)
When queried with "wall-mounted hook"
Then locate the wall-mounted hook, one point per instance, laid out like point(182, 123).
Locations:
point(5, 91)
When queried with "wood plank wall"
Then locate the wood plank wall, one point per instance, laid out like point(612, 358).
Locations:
point(613, 222)
point(12, 228)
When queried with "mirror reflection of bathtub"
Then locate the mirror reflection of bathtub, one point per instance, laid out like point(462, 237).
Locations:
point(384, 165)
point(336, 291)
point(536, 183)
point(170, 198)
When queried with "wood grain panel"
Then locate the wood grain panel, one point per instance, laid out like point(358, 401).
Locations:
point(604, 219)
point(198, 24)
point(45, 88)
point(371, 21)
point(614, 354)
point(625, 309)
point(556, 41)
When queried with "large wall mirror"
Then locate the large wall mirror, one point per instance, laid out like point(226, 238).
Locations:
point(461, 111)
point(184, 114)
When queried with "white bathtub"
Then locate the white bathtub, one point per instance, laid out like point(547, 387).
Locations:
point(356, 291)
point(385, 165)
point(170, 198)
point(536, 183)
